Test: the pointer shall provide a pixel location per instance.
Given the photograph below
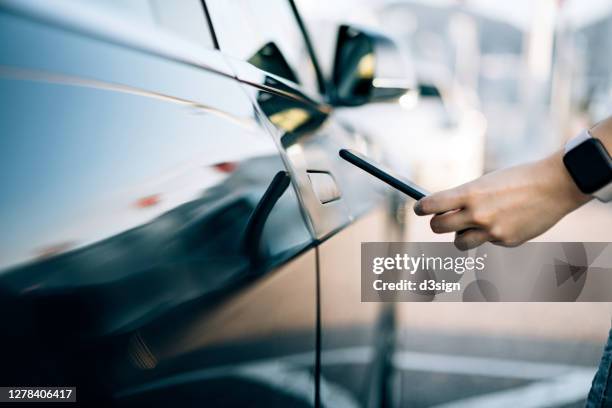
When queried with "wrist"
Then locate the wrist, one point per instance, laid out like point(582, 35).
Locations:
point(562, 186)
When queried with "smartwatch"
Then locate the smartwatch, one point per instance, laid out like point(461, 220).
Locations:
point(590, 165)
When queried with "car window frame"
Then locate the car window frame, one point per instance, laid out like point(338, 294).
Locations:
point(322, 85)
point(211, 27)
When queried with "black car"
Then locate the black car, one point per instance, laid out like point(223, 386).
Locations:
point(178, 229)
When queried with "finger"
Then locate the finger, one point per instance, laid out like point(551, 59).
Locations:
point(440, 202)
point(471, 238)
point(451, 221)
point(507, 244)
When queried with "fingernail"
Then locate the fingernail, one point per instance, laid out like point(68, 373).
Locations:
point(417, 208)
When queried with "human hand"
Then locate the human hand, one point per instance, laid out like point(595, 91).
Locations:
point(506, 207)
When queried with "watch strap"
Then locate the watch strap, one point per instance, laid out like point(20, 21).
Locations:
point(576, 140)
point(604, 194)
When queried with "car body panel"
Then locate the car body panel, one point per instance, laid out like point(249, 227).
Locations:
point(129, 185)
point(363, 212)
point(357, 337)
point(132, 173)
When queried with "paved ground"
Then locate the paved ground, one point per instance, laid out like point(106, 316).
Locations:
point(475, 370)
point(504, 354)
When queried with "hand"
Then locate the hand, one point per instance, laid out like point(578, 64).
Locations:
point(506, 207)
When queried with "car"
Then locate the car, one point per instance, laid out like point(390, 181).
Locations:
point(178, 227)
point(436, 128)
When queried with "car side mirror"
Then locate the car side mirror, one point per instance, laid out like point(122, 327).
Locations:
point(368, 67)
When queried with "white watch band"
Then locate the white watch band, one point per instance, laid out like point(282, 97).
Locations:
point(605, 193)
point(576, 140)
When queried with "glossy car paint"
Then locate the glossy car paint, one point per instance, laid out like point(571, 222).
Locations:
point(131, 171)
point(363, 213)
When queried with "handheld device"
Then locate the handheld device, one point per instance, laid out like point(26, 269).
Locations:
point(383, 174)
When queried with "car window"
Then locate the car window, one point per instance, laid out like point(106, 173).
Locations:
point(185, 18)
point(322, 31)
point(268, 37)
point(135, 10)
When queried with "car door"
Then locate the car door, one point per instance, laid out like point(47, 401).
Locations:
point(270, 56)
point(159, 255)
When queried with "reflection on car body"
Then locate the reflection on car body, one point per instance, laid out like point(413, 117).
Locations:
point(166, 242)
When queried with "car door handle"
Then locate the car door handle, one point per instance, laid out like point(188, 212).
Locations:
point(324, 186)
point(257, 220)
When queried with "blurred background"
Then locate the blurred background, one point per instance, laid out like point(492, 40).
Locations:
point(500, 83)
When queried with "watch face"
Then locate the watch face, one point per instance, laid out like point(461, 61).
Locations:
point(589, 165)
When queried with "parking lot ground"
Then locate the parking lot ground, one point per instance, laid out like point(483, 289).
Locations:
point(441, 369)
